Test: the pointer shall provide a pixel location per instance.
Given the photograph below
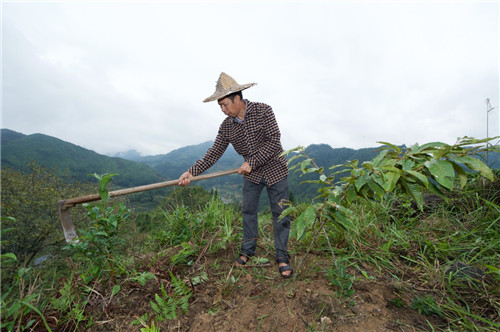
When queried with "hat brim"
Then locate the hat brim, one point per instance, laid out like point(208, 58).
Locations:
point(221, 94)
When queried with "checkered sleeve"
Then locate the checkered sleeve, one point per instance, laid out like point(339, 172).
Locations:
point(212, 155)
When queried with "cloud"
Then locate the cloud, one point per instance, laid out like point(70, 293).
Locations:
point(117, 76)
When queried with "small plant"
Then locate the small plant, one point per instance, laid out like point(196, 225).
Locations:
point(143, 321)
point(397, 302)
point(166, 306)
point(426, 306)
point(151, 328)
point(199, 279)
point(69, 303)
point(141, 278)
point(339, 278)
point(182, 257)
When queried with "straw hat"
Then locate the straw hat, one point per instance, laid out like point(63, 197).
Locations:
point(225, 86)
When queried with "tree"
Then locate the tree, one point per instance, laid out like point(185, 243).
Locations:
point(30, 200)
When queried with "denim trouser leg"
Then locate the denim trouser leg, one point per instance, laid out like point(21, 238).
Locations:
point(249, 210)
point(277, 193)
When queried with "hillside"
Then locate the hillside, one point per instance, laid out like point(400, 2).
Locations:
point(70, 160)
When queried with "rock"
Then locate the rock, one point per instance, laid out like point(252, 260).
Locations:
point(325, 320)
point(376, 312)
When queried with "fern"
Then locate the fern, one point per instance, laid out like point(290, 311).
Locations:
point(166, 306)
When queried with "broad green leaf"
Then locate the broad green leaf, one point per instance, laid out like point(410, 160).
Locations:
point(415, 192)
point(368, 165)
point(116, 289)
point(381, 180)
point(300, 225)
point(476, 165)
point(408, 164)
point(421, 177)
point(10, 256)
point(392, 180)
point(375, 187)
point(414, 148)
point(351, 194)
point(360, 181)
point(305, 164)
point(433, 145)
point(380, 157)
point(462, 176)
point(396, 148)
point(387, 163)
point(442, 171)
point(357, 172)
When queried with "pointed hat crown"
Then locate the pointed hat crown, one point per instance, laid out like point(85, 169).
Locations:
point(225, 86)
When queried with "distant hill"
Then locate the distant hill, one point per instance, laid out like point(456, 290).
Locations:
point(70, 160)
point(173, 164)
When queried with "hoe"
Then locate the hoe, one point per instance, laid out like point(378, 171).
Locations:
point(64, 205)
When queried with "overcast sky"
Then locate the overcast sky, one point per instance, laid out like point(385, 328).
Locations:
point(115, 76)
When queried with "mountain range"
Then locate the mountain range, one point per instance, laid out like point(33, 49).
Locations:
point(70, 160)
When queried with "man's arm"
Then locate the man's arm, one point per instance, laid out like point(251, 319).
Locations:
point(211, 156)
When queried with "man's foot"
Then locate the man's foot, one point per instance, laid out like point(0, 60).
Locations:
point(242, 260)
point(285, 270)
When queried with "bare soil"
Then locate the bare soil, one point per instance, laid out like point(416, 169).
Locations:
point(257, 298)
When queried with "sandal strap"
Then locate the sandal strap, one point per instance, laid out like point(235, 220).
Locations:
point(241, 261)
point(285, 268)
point(282, 260)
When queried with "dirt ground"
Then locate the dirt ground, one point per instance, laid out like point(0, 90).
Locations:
point(256, 298)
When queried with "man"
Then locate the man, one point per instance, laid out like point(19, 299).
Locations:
point(254, 133)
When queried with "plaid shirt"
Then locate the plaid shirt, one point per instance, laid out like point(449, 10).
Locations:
point(257, 139)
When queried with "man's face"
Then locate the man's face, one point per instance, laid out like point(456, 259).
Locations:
point(229, 107)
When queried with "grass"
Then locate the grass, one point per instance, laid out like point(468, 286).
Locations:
point(442, 261)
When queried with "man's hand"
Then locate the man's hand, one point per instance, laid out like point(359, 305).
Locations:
point(245, 169)
point(185, 179)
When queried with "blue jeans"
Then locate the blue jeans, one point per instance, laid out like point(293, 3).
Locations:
point(249, 211)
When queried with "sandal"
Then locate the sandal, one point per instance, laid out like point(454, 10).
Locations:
point(240, 261)
point(284, 268)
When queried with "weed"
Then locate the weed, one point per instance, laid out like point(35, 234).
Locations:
point(426, 306)
point(397, 302)
point(141, 278)
point(183, 256)
point(338, 277)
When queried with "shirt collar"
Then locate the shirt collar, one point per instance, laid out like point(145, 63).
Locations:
point(246, 108)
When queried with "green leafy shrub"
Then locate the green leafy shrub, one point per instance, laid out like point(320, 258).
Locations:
point(99, 243)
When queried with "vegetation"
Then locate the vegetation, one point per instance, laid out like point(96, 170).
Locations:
point(421, 223)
